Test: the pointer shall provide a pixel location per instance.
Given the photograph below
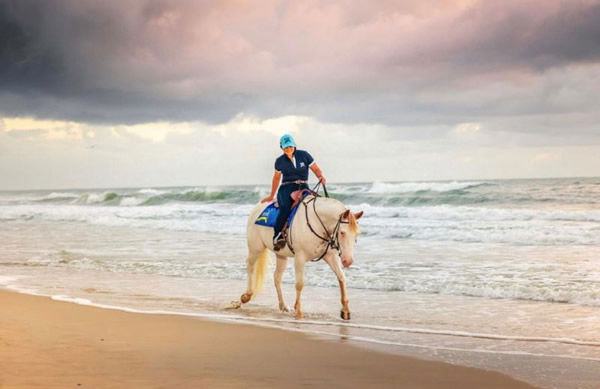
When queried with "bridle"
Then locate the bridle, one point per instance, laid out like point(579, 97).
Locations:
point(332, 239)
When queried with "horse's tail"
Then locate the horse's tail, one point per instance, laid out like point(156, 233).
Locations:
point(260, 268)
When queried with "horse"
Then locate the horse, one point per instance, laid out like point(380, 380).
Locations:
point(322, 228)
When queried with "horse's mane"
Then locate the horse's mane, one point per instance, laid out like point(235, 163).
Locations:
point(352, 222)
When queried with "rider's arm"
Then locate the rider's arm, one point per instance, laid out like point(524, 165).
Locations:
point(315, 168)
point(274, 186)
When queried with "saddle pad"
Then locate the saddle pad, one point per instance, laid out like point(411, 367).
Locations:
point(268, 217)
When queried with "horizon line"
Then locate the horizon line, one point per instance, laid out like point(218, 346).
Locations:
point(267, 184)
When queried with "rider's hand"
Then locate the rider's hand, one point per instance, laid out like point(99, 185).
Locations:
point(322, 180)
point(267, 199)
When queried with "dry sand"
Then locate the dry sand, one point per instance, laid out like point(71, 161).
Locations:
point(50, 344)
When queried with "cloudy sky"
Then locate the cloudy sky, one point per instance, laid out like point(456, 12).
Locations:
point(109, 93)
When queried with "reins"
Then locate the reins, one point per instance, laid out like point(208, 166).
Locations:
point(316, 189)
point(331, 239)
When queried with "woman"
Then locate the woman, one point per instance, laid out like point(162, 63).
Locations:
point(292, 169)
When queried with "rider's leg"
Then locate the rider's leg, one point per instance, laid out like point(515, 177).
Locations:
point(285, 204)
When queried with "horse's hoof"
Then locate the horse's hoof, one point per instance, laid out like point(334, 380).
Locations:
point(345, 315)
point(245, 298)
point(284, 308)
point(299, 315)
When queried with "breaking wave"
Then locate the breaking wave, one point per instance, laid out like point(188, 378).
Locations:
point(386, 194)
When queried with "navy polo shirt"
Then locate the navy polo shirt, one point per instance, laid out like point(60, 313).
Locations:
point(296, 169)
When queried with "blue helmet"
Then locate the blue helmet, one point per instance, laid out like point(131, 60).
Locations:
point(286, 141)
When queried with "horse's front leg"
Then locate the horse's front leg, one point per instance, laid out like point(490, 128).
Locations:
point(336, 265)
point(299, 263)
point(279, 269)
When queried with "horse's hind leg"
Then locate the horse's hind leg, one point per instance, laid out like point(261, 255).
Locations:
point(279, 269)
point(253, 257)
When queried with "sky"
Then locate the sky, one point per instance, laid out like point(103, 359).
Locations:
point(148, 93)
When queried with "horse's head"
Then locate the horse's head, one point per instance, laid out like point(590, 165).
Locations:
point(347, 236)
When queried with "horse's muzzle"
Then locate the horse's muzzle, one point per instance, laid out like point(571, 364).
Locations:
point(347, 262)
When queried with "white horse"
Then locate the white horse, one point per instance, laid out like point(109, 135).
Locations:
point(322, 228)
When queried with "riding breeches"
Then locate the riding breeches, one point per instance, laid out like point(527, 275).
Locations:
point(284, 199)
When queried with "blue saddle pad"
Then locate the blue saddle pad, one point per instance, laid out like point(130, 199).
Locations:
point(268, 217)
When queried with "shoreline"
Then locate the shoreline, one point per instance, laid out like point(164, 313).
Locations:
point(48, 343)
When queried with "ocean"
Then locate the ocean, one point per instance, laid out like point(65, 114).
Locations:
point(498, 274)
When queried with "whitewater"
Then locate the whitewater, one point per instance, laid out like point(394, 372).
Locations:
point(500, 274)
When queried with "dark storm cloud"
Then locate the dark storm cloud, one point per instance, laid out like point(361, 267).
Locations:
point(71, 60)
point(25, 64)
point(399, 63)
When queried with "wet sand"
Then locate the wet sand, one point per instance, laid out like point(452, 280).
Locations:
point(50, 344)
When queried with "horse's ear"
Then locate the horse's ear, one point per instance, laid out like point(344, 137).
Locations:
point(358, 215)
point(346, 214)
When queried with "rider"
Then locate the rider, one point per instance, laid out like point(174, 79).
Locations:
point(293, 165)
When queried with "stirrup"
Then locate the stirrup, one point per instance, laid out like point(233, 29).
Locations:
point(279, 242)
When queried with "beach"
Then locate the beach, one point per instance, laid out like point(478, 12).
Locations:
point(498, 275)
point(53, 344)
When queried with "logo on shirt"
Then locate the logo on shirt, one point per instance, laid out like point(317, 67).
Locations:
point(302, 164)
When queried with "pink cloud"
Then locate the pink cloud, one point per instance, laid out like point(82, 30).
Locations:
point(233, 55)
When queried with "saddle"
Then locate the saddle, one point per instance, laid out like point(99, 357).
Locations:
point(297, 196)
point(268, 216)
